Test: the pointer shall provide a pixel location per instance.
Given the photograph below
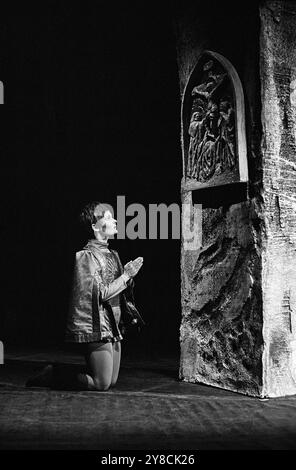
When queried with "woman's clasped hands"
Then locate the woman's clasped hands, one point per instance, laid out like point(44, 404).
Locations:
point(133, 267)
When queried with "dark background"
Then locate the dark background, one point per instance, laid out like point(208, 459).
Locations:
point(92, 111)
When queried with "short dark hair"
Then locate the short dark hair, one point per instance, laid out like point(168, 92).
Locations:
point(87, 216)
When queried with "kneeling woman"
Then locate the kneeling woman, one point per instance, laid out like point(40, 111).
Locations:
point(101, 307)
point(102, 300)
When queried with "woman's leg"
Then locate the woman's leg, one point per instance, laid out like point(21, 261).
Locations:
point(103, 362)
point(99, 359)
point(116, 361)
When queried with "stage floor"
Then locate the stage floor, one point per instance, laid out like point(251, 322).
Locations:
point(148, 409)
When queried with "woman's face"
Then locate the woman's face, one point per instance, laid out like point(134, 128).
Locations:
point(106, 226)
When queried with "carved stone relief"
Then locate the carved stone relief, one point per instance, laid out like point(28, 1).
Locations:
point(212, 150)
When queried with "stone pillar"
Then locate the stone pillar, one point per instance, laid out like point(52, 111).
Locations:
point(239, 288)
point(278, 91)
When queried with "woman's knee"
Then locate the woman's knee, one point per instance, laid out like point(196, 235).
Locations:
point(101, 385)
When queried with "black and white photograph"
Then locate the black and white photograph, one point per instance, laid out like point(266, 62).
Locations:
point(148, 231)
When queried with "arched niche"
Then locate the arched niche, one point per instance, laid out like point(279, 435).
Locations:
point(213, 125)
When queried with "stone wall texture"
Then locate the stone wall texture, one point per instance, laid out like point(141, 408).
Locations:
point(238, 289)
point(278, 88)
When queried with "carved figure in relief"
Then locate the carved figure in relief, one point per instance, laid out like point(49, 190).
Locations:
point(212, 126)
point(226, 143)
point(211, 83)
point(206, 161)
point(196, 132)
